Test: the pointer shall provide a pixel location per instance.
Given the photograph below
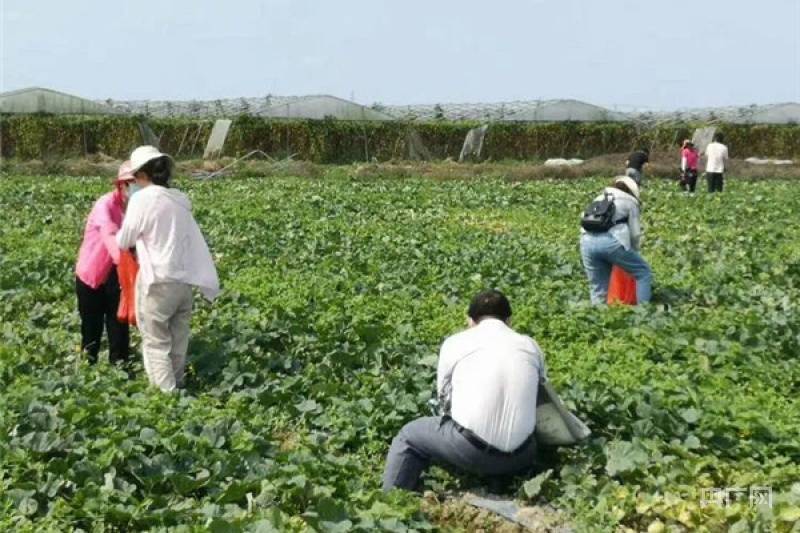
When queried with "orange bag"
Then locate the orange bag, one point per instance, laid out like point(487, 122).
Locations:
point(621, 287)
point(126, 271)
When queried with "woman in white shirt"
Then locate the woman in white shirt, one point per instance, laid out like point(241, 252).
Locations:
point(618, 245)
point(173, 257)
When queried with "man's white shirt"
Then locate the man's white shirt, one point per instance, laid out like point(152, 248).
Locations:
point(716, 157)
point(491, 375)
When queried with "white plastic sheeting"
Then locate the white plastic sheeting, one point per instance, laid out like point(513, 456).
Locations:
point(473, 144)
point(320, 107)
point(521, 110)
point(216, 140)
point(788, 113)
point(565, 111)
point(38, 100)
point(702, 138)
point(559, 162)
point(759, 161)
point(305, 107)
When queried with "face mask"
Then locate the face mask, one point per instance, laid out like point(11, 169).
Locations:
point(133, 188)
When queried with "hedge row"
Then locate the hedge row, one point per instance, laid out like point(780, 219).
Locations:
point(336, 141)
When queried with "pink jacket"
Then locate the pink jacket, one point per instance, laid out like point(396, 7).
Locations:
point(99, 250)
point(689, 159)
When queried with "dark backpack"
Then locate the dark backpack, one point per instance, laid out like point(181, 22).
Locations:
point(599, 215)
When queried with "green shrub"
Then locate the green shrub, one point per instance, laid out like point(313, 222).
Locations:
point(341, 141)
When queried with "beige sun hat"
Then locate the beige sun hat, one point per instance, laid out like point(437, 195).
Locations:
point(144, 154)
point(630, 184)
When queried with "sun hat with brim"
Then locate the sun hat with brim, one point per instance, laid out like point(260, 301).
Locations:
point(630, 184)
point(143, 155)
point(124, 173)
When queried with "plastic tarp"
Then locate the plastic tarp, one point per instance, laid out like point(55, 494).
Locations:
point(702, 138)
point(216, 141)
point(473, 144)
point(559, 162)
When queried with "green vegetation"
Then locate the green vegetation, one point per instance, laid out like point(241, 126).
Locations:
point(337, 294)
point(341, 141)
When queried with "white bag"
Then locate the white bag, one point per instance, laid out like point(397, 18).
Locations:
point(555, 425)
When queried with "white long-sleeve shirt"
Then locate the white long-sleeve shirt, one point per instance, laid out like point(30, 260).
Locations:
point(169, 244)
point(628, 234)
point(490, 375)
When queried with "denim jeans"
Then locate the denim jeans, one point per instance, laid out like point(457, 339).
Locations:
point(436, 439)
point(600, 252)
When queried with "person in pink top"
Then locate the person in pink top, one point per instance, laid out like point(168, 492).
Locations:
point(690, 158)
point(96, 281)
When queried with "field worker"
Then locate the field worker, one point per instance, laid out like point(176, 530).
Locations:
point(173, 257)
point(96, 280)
point(716, 161)
point(487, 383)
point(689, 160)
point(636, 164)
point(612, 237)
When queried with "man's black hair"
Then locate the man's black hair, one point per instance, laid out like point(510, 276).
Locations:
point(159, 170)
point(489, 303)
point(645, 150)
point(718, 138)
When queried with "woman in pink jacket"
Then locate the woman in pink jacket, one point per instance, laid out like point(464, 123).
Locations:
point(96, 281)
point(689, 159)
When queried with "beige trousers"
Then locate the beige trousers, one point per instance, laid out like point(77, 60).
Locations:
point(163, 314)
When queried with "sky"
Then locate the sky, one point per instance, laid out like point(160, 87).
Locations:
point(623, 54)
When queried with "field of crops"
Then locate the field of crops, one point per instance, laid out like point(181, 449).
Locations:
point(337, 295)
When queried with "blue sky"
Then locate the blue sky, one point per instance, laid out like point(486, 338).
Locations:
point(618, 53)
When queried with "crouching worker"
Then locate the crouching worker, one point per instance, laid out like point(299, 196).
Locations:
point(487, 382)
point(173, 257)
point(610, 235)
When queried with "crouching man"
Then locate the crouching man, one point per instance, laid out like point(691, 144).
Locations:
point(487, 382)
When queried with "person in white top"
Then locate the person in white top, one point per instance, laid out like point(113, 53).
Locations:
point(716, 163)
point(487, 383)
point(617, 245)
point(173, 257)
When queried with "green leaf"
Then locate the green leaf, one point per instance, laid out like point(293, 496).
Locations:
point(690, 415)
point(219, 525)
point(148, 434)
point(624, 456)
point(790, 513)
point(533, 486)
point(307, 406)
point(691, 442)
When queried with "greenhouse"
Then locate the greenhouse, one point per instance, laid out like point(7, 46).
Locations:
point(320, 107)
point(38, 100)
point(564, 111)
point(787, 113)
